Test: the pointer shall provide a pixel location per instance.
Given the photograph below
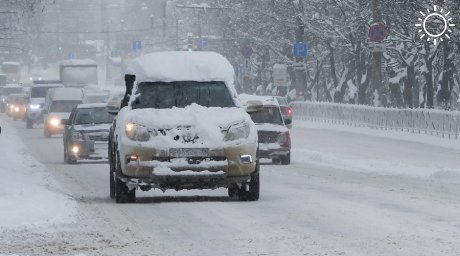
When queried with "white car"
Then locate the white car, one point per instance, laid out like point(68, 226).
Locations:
point(180, 127)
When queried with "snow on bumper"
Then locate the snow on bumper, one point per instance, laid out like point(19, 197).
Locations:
point(147, 162)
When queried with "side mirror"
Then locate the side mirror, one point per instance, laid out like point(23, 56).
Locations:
point(65, 121)
point(254, 106)
point(288, 121)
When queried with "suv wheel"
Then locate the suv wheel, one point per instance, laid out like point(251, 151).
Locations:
point(67, 158)
point(112, 176)
point(254, 187)
point(122, 192)
point(29, 123)
point(46, 133)
point(286, 160)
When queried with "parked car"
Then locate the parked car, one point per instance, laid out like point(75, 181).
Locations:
point(59, 103)
point(86, 133)
point(274, 136)
point(7, 90)
point(16, 105)
point(286, 111)
point(180, 127)
point(38, 91)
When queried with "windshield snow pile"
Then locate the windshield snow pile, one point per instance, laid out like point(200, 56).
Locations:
point(182, 66)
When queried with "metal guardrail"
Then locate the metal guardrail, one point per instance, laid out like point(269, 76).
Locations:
point(439, 123)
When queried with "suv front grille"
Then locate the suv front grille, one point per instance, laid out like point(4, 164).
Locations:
point(268, 137)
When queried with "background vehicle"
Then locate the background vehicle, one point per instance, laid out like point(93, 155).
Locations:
point(86, 133)
point(78, 72)
point(16, 105)
point(286, 111)
point(12, 70)
point(274, 136)
point(7, 90)
point(97, 96)
point(59, 103)
point(38, 91)
point(182, 129)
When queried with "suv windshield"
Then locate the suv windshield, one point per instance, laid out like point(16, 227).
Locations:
point(181, 94)
point(269, 115)
point(63, 106)
point(92, 116)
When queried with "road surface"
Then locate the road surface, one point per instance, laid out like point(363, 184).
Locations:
point(345, 193)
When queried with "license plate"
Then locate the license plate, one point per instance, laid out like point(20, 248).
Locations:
point(188, 152)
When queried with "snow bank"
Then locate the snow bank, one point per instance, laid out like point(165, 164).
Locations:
point(182, 66)
point(29, 197)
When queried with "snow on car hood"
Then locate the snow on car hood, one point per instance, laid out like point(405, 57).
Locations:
point(92, 127)
point(272, 127)
point(37, 100)
point(207, 123)
point(61, 115)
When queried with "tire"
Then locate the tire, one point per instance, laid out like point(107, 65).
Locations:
point(46, 133)
point(286, 160)
point(122, 192)
point(112, 177)
point(29, 123)
point(233, 191)
point(67, 158)
point(254, 187)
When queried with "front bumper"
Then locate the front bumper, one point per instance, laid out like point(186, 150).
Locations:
point(272, 151)
point(92, 150)
point(221, 164)
point(35, 115)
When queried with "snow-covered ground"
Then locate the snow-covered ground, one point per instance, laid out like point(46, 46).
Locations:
point(347, 192)
point(29, 195)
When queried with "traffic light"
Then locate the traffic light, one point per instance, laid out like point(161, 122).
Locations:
point(190, 42)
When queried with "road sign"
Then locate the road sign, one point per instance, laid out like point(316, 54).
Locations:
point(377, 32)
point(201, 43)
point(300, 50)
point(137, 45)
point(72, 55)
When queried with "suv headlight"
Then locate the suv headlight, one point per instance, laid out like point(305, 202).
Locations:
point(137, 132)
point(54, 121)
point(34, 106)
point(237, 131)
point(76, 136)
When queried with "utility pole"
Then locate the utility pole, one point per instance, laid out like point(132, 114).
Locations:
point(299, 65)
point(376, 80)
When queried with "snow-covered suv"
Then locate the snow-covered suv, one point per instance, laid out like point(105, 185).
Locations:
point(180, 127)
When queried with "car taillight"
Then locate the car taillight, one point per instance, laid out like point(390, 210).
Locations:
point(285, 140)
point(288, 111)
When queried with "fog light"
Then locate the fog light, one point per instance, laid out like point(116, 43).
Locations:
point(54, 122)
point(246, 159)
point(132, 158)
point(75, 149)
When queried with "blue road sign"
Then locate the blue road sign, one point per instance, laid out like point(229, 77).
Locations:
point(137, 45)
point(201, 43)
point(300, 50)
point(72, 55)
point(239, 70)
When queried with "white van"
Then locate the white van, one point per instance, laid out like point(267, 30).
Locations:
point(59, 103)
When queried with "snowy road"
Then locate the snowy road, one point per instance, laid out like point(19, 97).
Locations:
point(344, 194)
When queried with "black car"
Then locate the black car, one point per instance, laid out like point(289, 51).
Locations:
point(86, 133)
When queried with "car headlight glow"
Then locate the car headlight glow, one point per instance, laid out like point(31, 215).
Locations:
point(137, 132)
point(34, 106)
point(54, 121)
point(237, 131)
point(16, 109)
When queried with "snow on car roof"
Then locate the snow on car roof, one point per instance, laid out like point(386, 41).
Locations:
point(182, 66)
point(66, 93)
point(92, 105)
point(266, 100)
point(78, 62)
